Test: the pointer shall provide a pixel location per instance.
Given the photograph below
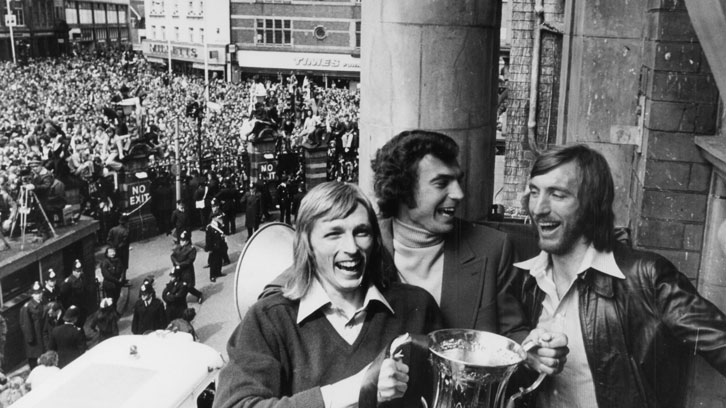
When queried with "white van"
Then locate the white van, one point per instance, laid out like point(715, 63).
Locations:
point(160, 370)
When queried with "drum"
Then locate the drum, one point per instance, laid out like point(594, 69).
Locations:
point(265, 256)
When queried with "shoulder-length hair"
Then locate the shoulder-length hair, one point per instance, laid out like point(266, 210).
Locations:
point(329, 201)
point(395, 166)
point(595, 194)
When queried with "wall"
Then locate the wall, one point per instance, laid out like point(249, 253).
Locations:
point(681, 101)
point(518, 155)
point(338, 19)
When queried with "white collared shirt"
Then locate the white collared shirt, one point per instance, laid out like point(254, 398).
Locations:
point(574, 386)
point(347, 326)
point(343, 393)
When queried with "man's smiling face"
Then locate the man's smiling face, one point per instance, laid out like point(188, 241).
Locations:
point(555, 208)
point(437, 195)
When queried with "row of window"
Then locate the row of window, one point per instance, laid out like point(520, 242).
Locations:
point(279, 32)
point(82, 13)
point(193, 36)
point(269, 32)
point(195, 8)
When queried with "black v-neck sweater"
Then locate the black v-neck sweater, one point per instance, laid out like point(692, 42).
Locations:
point(274, 362)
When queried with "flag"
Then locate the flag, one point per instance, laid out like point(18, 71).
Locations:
point(214, 107)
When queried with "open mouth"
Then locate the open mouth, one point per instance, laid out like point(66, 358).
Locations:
point(446, 211)
point(548, 227)
point(352, 265)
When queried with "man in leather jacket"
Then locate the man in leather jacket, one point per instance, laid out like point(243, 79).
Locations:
point(632, 319)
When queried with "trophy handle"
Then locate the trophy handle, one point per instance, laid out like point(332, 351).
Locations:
point(524, 391)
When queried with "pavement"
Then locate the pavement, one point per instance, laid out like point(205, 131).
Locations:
point(217, 316)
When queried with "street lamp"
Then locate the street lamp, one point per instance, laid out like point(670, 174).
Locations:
point(11, 21)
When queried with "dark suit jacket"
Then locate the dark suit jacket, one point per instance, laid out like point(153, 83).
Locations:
point(69, 341)
point(477, 287)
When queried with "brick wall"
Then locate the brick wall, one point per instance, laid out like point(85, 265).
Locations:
point(518, 155)
point(681, 101)
point(338, 21)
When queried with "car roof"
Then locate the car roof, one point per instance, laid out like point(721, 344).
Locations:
point(165, 369)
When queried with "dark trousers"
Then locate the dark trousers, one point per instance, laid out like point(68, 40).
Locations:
point(215, 264)
point(194, 291)
point(285, 215)
point(230, 223)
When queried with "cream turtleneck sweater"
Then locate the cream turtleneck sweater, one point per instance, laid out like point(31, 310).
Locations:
point(419, 257)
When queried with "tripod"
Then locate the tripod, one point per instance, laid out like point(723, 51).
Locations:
point(26, 200)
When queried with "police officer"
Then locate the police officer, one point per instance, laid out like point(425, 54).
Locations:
point(31, 324)
point(149, 314)
point(182, 257)
point(73, 291)
point(50, 289)
point(68, 339)
point(175, 296)
point(216, 245)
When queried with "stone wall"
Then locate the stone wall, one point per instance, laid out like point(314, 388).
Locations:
point(681, 99)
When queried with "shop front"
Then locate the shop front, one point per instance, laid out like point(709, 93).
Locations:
point(187, 58)
point(325, 68)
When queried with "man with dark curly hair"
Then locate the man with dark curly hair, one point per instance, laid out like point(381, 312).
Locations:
point(466, 267)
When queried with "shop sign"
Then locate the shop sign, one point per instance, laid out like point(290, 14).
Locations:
point(298, 61)
point(176, 51)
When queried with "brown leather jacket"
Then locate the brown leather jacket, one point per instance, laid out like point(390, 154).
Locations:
point(641, 332)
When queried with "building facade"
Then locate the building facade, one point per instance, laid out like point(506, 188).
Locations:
point(137, 23)
point(38, 29)
point(179, 31)
point(97, 22)
point(320, 39)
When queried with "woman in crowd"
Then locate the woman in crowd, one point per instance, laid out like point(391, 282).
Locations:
point(312, 344)
point(104, 322)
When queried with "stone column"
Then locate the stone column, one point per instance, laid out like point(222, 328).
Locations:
point(432, 64)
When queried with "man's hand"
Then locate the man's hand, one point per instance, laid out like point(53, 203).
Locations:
point(392, 380)
point(547, 351)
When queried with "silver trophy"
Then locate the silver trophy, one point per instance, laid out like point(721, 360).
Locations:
point(472, 368)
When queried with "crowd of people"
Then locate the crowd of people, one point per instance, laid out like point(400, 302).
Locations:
point(80, 119)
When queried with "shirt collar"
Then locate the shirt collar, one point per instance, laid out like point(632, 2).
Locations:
point(603, 262)
point(316, 298)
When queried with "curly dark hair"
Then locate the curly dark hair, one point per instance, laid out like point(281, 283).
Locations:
point(395, 166)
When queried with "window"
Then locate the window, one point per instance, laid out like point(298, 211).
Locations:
point(71, 13)
point(201, 35)
point(153, 32)
point(274, 31)
point(19, 16)
point(163, 33)
point(191, 34)
point(122, 11)
point(201, 8)
point(175, 8)
point(357, 34)
point(157, 8)
point(176, 34)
